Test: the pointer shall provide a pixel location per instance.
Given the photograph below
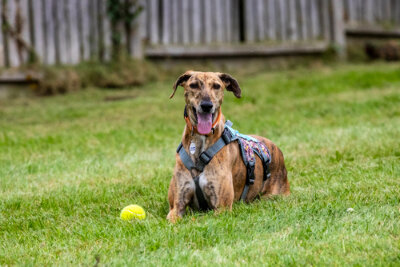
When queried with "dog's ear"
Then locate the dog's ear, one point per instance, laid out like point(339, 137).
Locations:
point(231, 84)
point(183, 78)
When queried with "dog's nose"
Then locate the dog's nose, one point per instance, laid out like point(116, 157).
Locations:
point(206, 106)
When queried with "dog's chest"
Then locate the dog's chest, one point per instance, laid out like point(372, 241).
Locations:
point(196, 147)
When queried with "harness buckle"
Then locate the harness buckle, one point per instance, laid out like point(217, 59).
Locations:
point(227, 136)
point(205, 158)
point(228, 123)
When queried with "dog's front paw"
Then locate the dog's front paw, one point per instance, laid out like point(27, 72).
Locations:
point(172, 216)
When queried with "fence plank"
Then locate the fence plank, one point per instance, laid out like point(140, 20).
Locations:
point(6, 37)
point(44, 31)
point(338, 27)
point(100, 29)
point(213, 14)
point(222, 19)
point(352, 11)
point(321, 19)
point(326, 20)
point(23, 4)
point(392, 4)
point(386, 10)
point(304, 26)
point(107, 33)
point(227, 15)
point(185, 22)
point(196, 21)
point(139, 32)
point(362, 10)
point(377, 10)
point(208, 23)
point(219, 21)
point(381, 8)
point(259, 17)
point(37, 30)
point(94, 35)
point(235, 21)
point(63, 34)
point(74, 32)
point(31, 24)
point(128, 32)
point(55, 21)
point(154, 21)
point(12, 45)
point(85, 29)
point(369, 11)
point(397, 14)
point(174, 21)
point(282, 19)
point(166, 26)
point(68, 34)
point(271, 19)
point(249, 22)
point(356, 8)
point(79, 22)
point(315, 29)
point(292, 20)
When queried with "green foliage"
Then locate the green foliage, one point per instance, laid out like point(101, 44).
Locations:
point(121, 13)
point(69, 164)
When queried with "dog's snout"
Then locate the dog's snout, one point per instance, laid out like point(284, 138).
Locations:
point(206, 106)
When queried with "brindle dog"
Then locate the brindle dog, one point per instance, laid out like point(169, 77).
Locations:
point(223, 179)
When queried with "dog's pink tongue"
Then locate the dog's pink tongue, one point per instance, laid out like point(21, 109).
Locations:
point(204, 123)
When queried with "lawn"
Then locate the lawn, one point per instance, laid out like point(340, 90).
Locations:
point(70, 163)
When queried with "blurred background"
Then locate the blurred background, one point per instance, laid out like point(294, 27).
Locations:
point(39, 33)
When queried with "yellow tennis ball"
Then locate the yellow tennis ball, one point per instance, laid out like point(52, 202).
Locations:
point(133, 212)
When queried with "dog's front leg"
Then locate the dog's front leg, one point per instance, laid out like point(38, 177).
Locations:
point(181, 191)
point(218, 188)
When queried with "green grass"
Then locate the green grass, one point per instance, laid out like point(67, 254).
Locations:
point(69, 164)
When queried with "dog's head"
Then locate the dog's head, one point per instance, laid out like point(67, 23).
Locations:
point(204, 93)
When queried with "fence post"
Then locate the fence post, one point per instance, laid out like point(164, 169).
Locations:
point(338, 30)
point(139, 31)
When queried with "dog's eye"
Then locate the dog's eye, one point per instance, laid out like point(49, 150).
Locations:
point(216, 86)
point(194, 86)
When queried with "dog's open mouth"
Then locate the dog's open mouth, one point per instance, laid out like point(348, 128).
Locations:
point(204, 121)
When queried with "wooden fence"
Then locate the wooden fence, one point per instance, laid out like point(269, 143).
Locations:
point(72, 31)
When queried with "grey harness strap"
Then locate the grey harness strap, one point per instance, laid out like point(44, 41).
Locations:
point(206, 156)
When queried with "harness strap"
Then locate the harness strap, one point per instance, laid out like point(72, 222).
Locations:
point(185, 158)
point(206, 156)
point(249, 161)
point(244, 193)
point(265, 156)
